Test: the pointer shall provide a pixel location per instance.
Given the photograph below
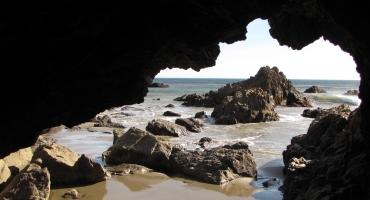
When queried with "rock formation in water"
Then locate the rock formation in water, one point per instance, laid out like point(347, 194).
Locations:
point(160, 85)
point(352, 92)
point(65, 61)
point(314, 89)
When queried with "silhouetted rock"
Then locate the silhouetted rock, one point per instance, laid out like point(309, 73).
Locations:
point(164, 127)
point(250, 106)
point(139, 147)
point(190, 124)
point(160, 85)
point(217, 165)
point(314, 89)
point(171, 114)
point(352, 92)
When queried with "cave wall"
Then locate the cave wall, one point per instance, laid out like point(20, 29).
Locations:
point(65, 61)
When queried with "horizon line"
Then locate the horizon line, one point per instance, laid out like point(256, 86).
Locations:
point(248, 78)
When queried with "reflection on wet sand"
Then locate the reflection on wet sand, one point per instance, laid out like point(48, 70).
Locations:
point(95, 191)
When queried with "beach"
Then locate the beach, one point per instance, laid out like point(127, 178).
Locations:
point(266, 140)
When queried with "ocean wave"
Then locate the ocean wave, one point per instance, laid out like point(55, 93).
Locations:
point(335, 99)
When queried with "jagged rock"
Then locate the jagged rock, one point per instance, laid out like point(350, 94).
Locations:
point(352, 92)
point(182, 98)
point(191, 124)
point(65, 166)
point(311, 113)
point(106, 121)
point(201, 115)
point(268, 79)
point(314, 161)
point(217, 165)
point(251, 106)
point(314, 89)
point(117, 133)
point(204, 141)
point(5, 175)
point(33, 182)
point(164, 127)
point(160, 85)
point(18, 160)
point(170, 106)
point(139, 147)
point(297, 99)
point(171, 114)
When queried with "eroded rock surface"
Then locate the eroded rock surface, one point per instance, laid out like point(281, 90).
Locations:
point(139, 147)
point(191, 124)
point(217, 165)
point(33, 182)
point(250, 106)
point(65, 166)
point(106, 121)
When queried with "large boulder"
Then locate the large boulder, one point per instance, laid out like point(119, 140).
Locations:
point(33, 182)
point(201, 115)
point(164, 127)
point(171, 114)
point(18, 160)
point(297, 99)
point(191, 124)
point(117, 133)
point(250, 106)
point(139, 147)
point(314, 89)
point(311, 113)
point(217, 165)
point(65, 166)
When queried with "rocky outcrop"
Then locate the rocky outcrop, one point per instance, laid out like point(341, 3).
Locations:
point(250, 106)
point(164, 127)
point(170, 106)
point(18, 160)
point(314, 89)
point(139, 147)
point(316, 164)
point(270, 80)
point(33, 182)
point(191, 124)
point(352, 92)
point(204, 141)
point(217, 165)
point(160, 85)
point(297, 99)
point(65, 166)
point(106, 121)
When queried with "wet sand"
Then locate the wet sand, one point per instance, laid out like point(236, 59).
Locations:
point(154, 185)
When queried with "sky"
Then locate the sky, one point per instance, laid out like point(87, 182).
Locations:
point(319, 60)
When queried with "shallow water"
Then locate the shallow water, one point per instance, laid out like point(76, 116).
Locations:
point(267, 141)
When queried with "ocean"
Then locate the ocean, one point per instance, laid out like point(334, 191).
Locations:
point(266, 140)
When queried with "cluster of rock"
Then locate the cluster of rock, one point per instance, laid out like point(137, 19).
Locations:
point(314, 89)
point(28, 173)
point(252, 100)
point(160, 85)
point(217, 165)
point(317, 164)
